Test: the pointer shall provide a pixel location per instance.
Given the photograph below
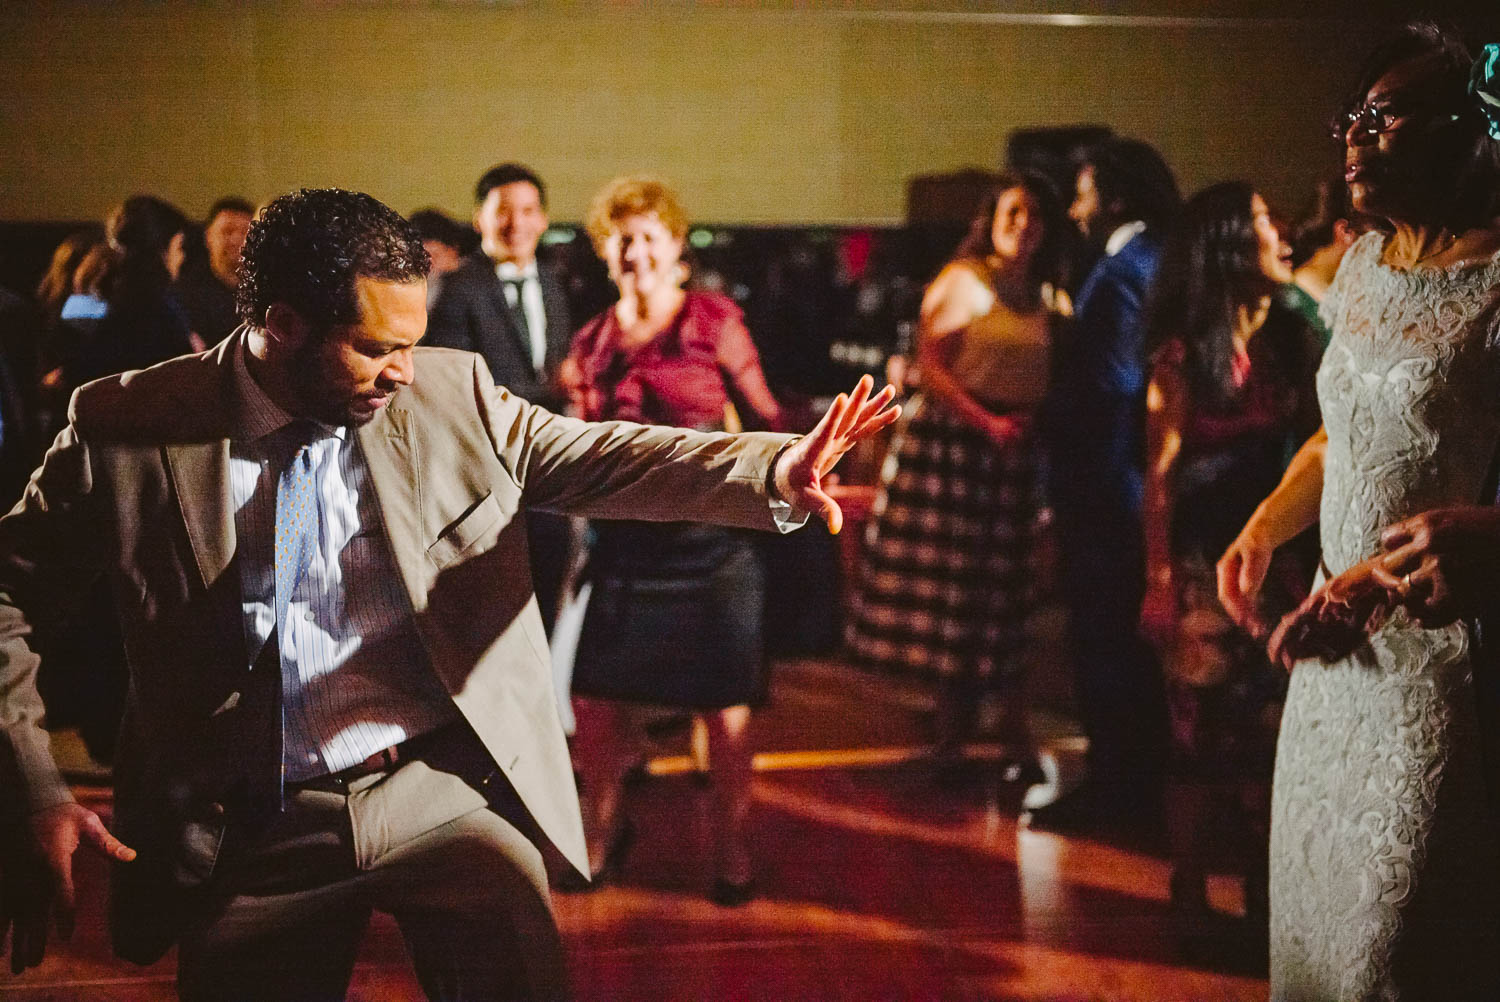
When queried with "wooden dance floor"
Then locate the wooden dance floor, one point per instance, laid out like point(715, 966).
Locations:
point(877, 882)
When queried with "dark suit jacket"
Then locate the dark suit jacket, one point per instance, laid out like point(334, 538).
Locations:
point(471, 313)
point(136, 489)
point(1097, 408)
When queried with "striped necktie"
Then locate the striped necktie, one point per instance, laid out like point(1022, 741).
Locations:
point(296, 537)
point(296, 521)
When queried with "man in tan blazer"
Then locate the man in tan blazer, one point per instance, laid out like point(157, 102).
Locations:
point(340, 698)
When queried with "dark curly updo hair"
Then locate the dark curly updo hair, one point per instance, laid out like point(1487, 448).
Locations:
point(306, 249)
point(1464, 160)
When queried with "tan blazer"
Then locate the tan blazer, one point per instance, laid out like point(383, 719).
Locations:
point(136, 487)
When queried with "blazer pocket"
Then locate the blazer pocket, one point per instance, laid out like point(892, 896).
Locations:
point(473, 527)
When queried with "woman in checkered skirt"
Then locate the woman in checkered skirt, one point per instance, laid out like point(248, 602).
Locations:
point(943, 584)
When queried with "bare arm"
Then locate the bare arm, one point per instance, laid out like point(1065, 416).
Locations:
point(1166, 416)
point(1291, 507)
point(947, 308)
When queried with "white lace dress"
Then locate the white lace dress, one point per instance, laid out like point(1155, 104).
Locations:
point(1383, 855)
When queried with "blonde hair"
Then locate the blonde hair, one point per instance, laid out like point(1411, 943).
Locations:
point(634, 195)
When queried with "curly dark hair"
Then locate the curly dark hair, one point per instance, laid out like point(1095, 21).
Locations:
point(1134, 174)
point(306, 249)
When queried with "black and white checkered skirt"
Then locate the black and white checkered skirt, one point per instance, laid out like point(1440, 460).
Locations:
point(944, 576)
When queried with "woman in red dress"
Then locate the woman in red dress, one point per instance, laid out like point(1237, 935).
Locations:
point(674, 617)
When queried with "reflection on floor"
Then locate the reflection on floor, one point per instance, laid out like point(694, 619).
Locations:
point(878, 881)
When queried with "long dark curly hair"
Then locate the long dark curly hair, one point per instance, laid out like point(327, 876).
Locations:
point(1210, 267)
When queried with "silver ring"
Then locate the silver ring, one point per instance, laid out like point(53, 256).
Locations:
point(1406, 582)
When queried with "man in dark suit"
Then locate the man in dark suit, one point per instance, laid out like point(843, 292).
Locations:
point(502, 302)
point(340, 695)
point(206, 292)
point(1125, 198)
point(509, 307)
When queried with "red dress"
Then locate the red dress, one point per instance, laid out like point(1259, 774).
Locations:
point(682, 377)
point(675, 614)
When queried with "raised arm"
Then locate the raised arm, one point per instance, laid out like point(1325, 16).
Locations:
point(1166, 415)
point(619, 469)
point(1291, 507)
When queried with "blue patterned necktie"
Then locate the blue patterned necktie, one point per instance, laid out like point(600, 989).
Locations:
point(296, 536)
point(296, 523)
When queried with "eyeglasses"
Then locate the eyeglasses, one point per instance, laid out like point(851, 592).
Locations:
point(1374, 118)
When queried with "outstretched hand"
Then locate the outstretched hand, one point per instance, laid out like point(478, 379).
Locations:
point(801, 469)
point(36, 877)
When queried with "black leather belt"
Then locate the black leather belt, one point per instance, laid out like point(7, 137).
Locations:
point(384, 760)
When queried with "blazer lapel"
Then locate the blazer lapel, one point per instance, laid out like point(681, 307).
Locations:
point(558, 329)
point(390, 452)
point(515, 320)
point(197, 458)
point(200, 477)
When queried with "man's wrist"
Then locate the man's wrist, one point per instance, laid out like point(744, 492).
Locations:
point(775, 489)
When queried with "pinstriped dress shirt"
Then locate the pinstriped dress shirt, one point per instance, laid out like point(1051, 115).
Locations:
point(355, 677)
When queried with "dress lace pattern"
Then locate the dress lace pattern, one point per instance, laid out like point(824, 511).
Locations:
point(1380, 846)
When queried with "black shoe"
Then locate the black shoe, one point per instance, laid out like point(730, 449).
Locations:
point(1093, 808)
point(728, 894)
point(573, 882)
point(1188, 900)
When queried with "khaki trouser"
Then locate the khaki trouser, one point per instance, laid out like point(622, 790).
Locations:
point(466, 887)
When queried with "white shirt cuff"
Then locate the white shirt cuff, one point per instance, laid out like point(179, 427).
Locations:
point(787, 518)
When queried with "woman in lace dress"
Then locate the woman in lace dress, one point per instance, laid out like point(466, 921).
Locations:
point(1383, 847)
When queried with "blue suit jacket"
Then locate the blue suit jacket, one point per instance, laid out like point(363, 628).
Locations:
point(1097, 410)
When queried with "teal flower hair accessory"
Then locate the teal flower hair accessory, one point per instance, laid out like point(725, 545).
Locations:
point(1484, 87)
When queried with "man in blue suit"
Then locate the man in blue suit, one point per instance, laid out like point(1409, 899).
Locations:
point(1125, 198)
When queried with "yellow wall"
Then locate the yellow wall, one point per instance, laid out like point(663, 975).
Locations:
point(759, 116)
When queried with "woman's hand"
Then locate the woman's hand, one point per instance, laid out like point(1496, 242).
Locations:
point(1442, 563)
point(1334, 620)
point(802, 468)
point(1292, 507)
point(1241, 571)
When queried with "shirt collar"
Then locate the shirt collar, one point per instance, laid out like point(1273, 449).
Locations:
point(1123, 234)
point(256, 414)
point(507, 271)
